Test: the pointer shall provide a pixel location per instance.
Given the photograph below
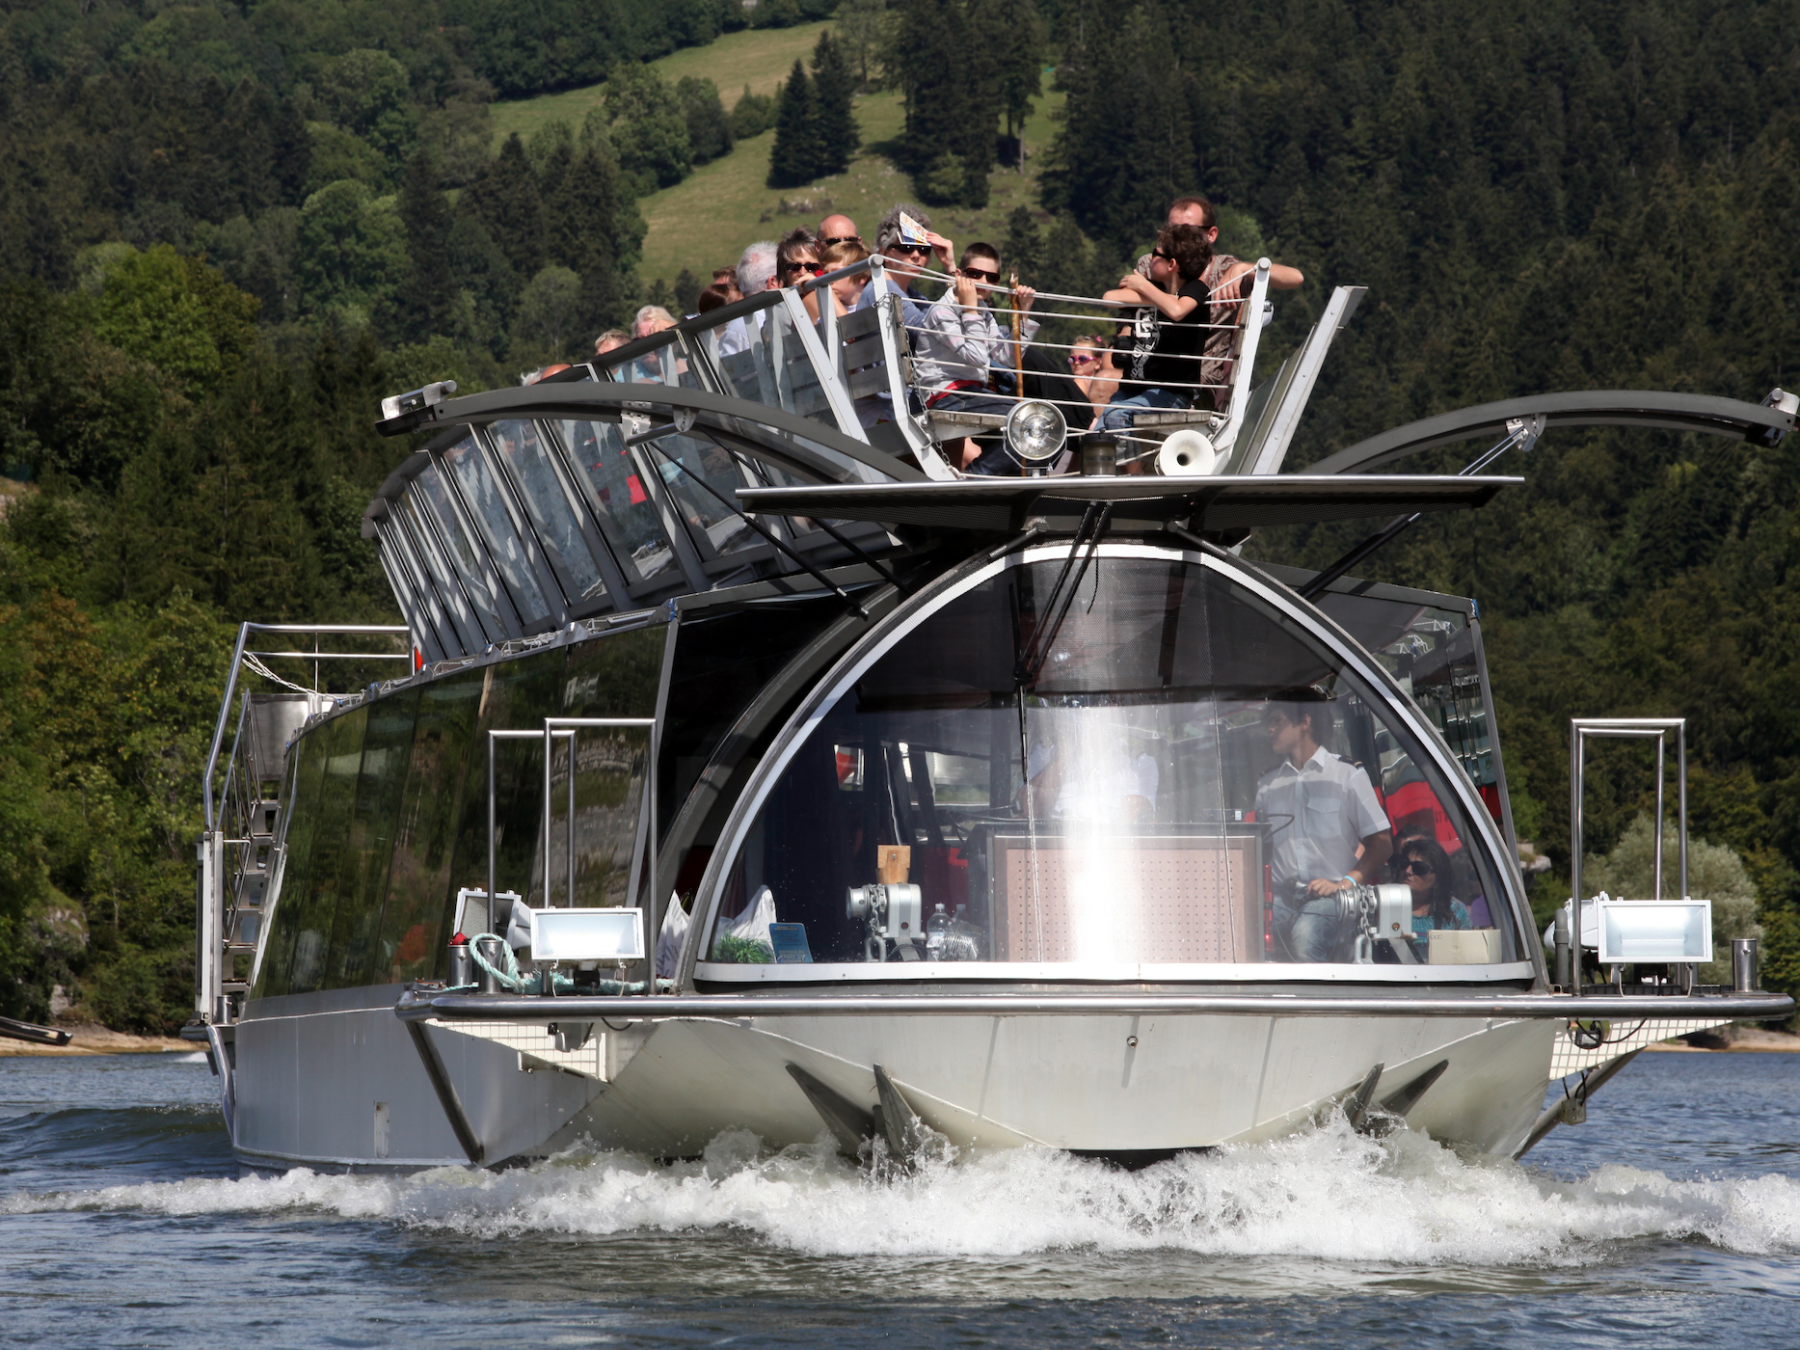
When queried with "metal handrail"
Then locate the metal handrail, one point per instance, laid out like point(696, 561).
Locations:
point(424, 1004)
point(237, 661)
point(1623, 728)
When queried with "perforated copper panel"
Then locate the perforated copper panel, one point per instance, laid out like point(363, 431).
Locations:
point(1128, 898)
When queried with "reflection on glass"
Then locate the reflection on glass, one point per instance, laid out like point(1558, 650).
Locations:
point(481, 492)
point(428, 494)
point(716, 526)
point(313, 906)
point(386, 752)
point(444, 759)
point(302, 816)
point(627, 516)
point(521, 448)
point(1174, 773)
point(796, 378)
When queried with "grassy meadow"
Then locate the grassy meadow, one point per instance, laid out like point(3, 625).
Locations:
point(704, 221)
point(758, 57)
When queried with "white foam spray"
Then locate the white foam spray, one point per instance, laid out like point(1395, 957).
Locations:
point(1329, 1195)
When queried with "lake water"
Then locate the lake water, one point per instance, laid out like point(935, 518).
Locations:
point(1671, 1218)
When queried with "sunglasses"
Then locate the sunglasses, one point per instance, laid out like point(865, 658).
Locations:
point(841, 239)
point(1079, 360)
point(914, 250)
point(1158, 253)
point(1418, 868)
point(804, 265)
point(979, 274)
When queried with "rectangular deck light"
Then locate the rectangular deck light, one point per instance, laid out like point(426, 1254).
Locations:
point(1677, 931)
point(587, 935)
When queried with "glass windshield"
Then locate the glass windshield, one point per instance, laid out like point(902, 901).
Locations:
point(482, 495)
point(522, 450)
point(617, 495)
point(1150, 765)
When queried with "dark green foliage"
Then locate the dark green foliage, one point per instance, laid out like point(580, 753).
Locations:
point(941, 57)
point(687, 291)
point(815, 126)
point(794, 159)
point(424, 303)
point(834, 87)
point(649, 128)
point(504, 202)
point(708, 127)
point(752, 115)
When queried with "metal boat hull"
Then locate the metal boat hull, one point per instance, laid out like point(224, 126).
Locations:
point(345, 1086)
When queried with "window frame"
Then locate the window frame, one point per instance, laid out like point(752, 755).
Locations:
point(874, 647)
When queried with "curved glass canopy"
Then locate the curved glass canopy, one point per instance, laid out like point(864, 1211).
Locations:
point(1159, 767)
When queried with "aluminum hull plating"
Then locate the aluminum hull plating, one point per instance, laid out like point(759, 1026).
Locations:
point(310, 1081)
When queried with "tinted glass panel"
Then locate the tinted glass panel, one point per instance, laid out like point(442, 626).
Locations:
point(521, 448)
point(315, 907)
point(301, 817)
point(616, 495)
point(438, 778)
point(386, 750)
point(1165, 770)
point(429, 495)
point(482, 494)
point(714, 524)
point(796, 378)
point(519, 696)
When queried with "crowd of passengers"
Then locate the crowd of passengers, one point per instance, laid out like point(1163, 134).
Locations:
point(1172, 351)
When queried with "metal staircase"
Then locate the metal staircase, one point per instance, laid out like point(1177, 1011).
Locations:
point(241, 854)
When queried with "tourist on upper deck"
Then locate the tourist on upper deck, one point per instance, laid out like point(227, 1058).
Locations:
point(797, 261)
point(905, 239)
point(1226, 280)
point(610, 340)
point(725, 278)
point(1163, 370)
point(1094, 371)
point(962, 346)
point(835, 257)
point(755, 274)
point(651, 319)
point(837, 229)
point(1327, 828)
point(713, 297)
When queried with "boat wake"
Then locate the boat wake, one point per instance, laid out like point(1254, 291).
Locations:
point(1330, 1195)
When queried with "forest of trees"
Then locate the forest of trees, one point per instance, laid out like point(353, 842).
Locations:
point(226, 231)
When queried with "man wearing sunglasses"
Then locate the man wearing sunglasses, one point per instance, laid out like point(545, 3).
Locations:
point(837, 229)
point(905, 240)
point(1327, 828)
point(962, 346)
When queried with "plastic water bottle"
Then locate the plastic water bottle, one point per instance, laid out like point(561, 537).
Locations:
point(937, 928)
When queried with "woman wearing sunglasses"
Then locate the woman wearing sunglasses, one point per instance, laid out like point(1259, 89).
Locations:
point(1425, 867)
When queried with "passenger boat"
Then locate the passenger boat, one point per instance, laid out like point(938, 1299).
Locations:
point(751, 767)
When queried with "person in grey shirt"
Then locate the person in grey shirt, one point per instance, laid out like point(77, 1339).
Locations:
point(1327, 828)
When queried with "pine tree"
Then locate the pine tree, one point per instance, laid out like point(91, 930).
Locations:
point(834, 89)
point(504, 201)
point(592, 226)
point(429, 289)
point(1024, 243)
point(795, 158)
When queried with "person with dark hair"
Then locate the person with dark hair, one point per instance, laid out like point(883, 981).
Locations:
point(713, 297)
point(1162, 370)
point(1226, 286)
point(1424, 866)
point(1327, 829)
point(962, 346)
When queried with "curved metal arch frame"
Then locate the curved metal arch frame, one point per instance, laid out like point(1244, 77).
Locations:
point(948, 587)
point(1661, 409)
point(755, 435)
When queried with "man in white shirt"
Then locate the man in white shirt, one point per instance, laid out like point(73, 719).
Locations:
point(1327, 828)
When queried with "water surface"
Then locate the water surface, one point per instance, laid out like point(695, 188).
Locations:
point(1672, 1217)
